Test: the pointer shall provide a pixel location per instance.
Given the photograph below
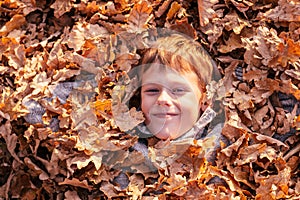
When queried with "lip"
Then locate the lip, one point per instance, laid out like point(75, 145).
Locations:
point(165, 115)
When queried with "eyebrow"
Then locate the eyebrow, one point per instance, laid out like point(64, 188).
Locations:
point(186, 86)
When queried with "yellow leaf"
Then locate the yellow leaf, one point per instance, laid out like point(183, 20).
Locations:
point(102, 106)
point(175, 7)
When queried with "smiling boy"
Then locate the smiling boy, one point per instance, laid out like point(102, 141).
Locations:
point(170, 101)
point(174, 74)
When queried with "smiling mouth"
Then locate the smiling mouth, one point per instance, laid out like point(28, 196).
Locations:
point(165, 115)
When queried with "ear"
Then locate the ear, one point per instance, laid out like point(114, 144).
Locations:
point(204, 102)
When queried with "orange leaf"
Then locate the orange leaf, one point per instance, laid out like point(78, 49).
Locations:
point(15, 22)
point(289, 52)
point(140, 16)
point(175, 7)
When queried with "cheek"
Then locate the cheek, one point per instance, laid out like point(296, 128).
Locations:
point(146, 104)
point(190, 106)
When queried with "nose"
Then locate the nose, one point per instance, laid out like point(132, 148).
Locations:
point(164, 98)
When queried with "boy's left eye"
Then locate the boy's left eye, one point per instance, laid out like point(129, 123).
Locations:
point(178, 90)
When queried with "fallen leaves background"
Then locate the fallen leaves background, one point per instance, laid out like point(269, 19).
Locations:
point(59, 56)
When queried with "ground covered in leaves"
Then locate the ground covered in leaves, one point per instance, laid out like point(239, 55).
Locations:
point(60, 62)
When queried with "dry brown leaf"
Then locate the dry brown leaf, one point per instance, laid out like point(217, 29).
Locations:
point(274, 186)
point(230, 150)
point(71, 195)
point(101, 107)
point(15, 22)
point(228, 78)
point(37, 171)
point(250, 153)
point(198, 191)
point(125, 118)
point(269, 140)
point(285, 11)
point(40, 83)
point(242, 174)
point(236, 23)
point(126, 61)
point(255, 74)
point(177, 185)
point(183, 26)
point(76, 182)
point(234, 42)
point(242, 100)
point(206, 12)
point(139, 17)
point(226, 176)
point(264, 118)
point(242, 6)
point(213, 30)
point(136, 186)
point(82, 115)
point(61, 7)
point(10, 139)
point(110, 190)
point(261, 46)
point(162, 9)
point(82, 32)
point(232, 133)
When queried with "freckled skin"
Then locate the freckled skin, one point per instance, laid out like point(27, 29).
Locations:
point(170, 101)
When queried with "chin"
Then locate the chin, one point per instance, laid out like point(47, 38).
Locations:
point(167, 135)
point(162, 136)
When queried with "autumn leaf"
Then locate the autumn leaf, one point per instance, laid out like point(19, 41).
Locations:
point(140, 16)
point(285, 11)
point(173, 10)
point(206, 12)
point(76, 182)
point(177, 185)
point(61, 7)
point(102, 106)
point(15, 22)
point(242, 6)
point(289, 52)
point(274, 186)
point(232, 43)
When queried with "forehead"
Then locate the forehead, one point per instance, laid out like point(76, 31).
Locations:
point(164, 75)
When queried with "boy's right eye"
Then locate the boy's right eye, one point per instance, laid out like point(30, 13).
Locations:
point(151, 91)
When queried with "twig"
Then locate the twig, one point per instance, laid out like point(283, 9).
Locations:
point(292, 152)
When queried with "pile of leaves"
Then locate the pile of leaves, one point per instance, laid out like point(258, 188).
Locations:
point(63, 137)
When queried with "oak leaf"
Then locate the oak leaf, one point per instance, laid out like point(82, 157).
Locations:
point(139, 17)
point(206, 11)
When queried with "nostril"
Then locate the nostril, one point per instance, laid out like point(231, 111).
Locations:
point(164, 98)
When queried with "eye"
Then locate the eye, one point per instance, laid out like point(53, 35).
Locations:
point(151, 91)
point(179, 91)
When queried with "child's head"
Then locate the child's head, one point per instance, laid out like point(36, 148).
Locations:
point(175, 73)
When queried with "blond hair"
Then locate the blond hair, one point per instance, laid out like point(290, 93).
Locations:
point(183, 55)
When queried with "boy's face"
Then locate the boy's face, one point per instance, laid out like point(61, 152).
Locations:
point(170, 101)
